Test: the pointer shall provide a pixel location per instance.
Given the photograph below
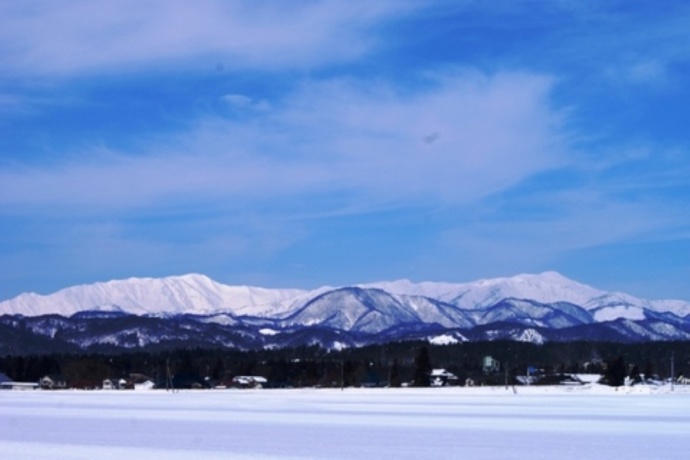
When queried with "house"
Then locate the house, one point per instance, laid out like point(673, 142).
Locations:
point(52, 382)
point(139, 381)
point(442, 378)
point(134, 382)
point(19, 386)
point(147, 385)
point(144, 385)
point(7, 383)
point(249, 381)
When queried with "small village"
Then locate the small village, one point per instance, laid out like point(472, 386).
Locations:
point(492, 374)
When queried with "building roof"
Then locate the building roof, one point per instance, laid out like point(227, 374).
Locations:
point(442, 373)
point(249, 379)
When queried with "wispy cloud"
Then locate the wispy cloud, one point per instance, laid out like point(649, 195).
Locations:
point(241, 102)
point(457, 138)
point(609, 44)
point(80, 36)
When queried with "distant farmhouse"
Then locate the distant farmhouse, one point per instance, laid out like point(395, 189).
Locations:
point(7, 383)
point(114, 384)
point(442, 378)
point(136, 381)
point(52, 382)
point(250, 381)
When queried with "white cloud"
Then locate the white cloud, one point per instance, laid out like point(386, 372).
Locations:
point(87, 36)
point(365, 142)
point(372, 141)
point(237, 100)
point(242, 102)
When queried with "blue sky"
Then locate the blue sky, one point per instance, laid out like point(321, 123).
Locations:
point(297, 144)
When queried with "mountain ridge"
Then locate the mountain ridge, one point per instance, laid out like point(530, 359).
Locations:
point(199, 294)
point(194, 310)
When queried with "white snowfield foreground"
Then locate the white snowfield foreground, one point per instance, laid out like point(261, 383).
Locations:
point(591, 422)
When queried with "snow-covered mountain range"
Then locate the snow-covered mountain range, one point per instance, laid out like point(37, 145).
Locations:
point(536, 308)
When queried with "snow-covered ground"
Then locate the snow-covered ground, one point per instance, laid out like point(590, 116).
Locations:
point(589, 422)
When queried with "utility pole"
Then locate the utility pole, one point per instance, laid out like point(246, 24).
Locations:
point(506, 374)
point(673, 370)
point(169, 377)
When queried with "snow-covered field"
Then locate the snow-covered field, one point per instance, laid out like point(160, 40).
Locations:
point(441, 423)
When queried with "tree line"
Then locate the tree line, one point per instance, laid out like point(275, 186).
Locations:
point(393, 364)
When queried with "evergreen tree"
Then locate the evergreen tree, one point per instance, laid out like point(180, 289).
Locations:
point(394, 379)
point(422, 369)
point(614, 375)
point(218, 369)
point(635, 374)
point(649, 371)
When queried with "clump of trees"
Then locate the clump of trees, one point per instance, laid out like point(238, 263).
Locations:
point(615, 372)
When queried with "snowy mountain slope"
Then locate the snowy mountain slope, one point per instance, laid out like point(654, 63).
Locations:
point(368, 310)
point(524, 307)
point(199, 294)
point(648, 330)
point(547, 287)
point(622, 311)
point(172, 295)
point(544, 288)
point(530, 335)
point(621, 300)
point(432, 311)
point(677, 307)
point(528, 312)
point(55, 334)
point(444, 292)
